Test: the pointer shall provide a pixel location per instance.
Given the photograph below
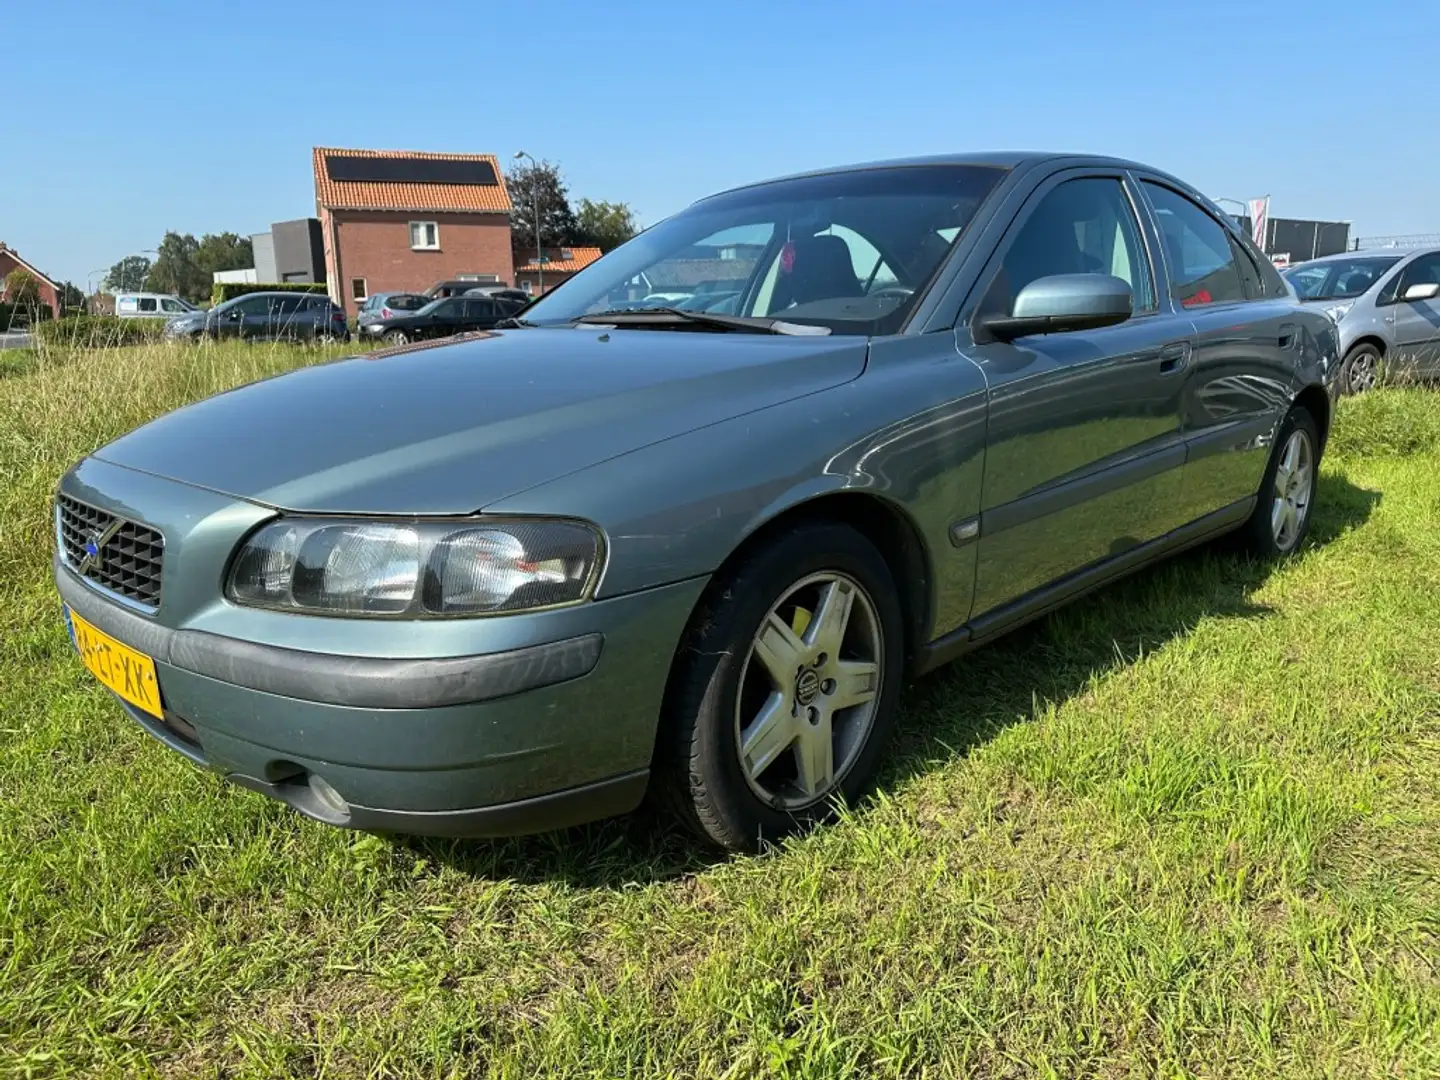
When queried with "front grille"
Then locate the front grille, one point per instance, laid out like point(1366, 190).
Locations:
point(129, 561)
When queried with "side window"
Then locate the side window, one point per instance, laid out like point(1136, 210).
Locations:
point(1083, 226)
point(147, 304)
point(480, 308)
point(172, 307)
point(1423, 271)
point(1198, 249)
point(254, 305)
point(284, 306)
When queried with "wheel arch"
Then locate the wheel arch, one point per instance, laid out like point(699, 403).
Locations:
point(882, 521)
point(1316, 401)
point(1369, 339)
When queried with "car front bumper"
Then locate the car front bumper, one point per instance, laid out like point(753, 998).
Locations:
point(494, 743)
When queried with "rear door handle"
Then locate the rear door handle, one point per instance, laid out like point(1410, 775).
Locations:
point(1287, 335)
point(1174, 357)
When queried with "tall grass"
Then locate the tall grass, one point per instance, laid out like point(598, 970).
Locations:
point(1189, 827)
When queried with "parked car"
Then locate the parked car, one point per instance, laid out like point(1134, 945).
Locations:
point(530, 575)
point(440, 318)
point(1388, 307)
point(442, 289)
point(385, 305)
point(265, 316)
point(500, 292)
point(145, 305)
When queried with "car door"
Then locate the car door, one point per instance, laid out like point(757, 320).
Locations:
point(1242, 365)
point(286, 320)
point(1416, 322)
point(480, 313)
point(1084, 445)
point(243, 319)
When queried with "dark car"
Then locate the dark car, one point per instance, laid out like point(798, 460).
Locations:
point(265, 316)
point(440, 318)
point(500, 292)
point(536, 573)
point(456, 287)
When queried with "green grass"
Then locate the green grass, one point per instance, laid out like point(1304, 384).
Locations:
point(1188, 827)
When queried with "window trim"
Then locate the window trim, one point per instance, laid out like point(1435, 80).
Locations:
point(1139, 211)
point(1229, 232)
point(364, 290)
point(422, 225)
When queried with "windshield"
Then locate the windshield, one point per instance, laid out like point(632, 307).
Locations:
point(1339, 279)
point(849, 251)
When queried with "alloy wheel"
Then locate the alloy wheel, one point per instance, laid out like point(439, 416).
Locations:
point(1364, 371)
point(809, 691)
point(397, 337)
point(1293, 490)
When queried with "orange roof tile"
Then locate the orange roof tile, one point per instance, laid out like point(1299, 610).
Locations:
point(580, 257)
point(390, 195)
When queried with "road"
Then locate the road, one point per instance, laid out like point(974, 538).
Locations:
point(14, 339)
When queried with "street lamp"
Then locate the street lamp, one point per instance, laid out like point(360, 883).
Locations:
point(539, 244)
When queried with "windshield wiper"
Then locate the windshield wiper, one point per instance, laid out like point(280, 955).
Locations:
point(662, 317)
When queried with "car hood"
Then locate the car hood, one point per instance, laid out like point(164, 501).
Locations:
point(450, 429)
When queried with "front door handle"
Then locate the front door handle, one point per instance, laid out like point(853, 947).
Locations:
point(1174, 357)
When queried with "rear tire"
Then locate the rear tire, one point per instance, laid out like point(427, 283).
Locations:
point(785, 690)
point(397, 337)
point(1360, 370)
point(1283, 510)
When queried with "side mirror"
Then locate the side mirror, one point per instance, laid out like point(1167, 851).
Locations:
point(1427, 291)
point(1063, 303)
point(234, 315)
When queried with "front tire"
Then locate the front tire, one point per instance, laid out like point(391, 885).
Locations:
point(1281, 519)
point(785, 691)
point(1360, 370)
point(397, 337)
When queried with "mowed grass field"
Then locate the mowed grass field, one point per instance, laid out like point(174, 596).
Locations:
point(1188, 827)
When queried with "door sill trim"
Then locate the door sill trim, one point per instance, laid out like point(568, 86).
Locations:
point(1042, 601)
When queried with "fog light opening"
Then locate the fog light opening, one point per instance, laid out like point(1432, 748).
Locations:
point(328, 796)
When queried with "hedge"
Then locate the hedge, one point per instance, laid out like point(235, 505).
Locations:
point(22, 315)
point(229, 290)
point(99, 331)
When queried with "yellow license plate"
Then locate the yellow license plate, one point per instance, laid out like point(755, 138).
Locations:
point(128, 673)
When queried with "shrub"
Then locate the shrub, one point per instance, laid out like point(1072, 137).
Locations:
point(99, 331)
point(12, 314)
point(228, 290)
point(1388, 423)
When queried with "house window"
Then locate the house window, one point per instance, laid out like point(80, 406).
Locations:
point(357, 289)
point(424, 236)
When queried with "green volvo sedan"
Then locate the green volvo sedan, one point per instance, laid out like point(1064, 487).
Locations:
point(690, 522)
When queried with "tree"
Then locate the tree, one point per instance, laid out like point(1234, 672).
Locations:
point(71, 298)
point(177, 269)
point(22, 288)
point(557, 220)
point(606, 225)
point(224, 251)
point(129, 273)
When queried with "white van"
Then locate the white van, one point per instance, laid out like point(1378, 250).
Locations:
point(149, 305)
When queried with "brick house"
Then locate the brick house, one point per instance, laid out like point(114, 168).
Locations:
point(561, 264)
point(50, 292)
point(396, 220)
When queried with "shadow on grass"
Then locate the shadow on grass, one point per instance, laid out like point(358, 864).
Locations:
point(945, 714)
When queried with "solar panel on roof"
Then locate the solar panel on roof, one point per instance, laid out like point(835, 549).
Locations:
point(347, 168)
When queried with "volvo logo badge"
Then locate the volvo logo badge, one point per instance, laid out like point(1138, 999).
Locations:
point(95, 543)
point(807, 685)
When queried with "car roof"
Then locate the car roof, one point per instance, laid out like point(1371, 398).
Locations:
point(1366, 253)
point(995, 159)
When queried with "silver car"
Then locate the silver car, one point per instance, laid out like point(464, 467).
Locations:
point(1387, 305)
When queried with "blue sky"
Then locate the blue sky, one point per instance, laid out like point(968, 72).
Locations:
point(122, 122)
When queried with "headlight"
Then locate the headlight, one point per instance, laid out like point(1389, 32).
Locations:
point(417, 570)
point(1339, 311)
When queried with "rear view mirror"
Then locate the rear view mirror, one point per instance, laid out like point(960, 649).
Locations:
point(1427, 291)
point(1062, 303)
